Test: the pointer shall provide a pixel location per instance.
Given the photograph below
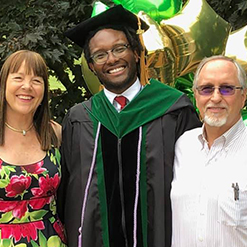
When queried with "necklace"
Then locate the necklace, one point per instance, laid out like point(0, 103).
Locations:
point(20, 131)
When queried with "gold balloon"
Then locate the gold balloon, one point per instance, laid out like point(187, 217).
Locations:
point(196, 32)
point(160, 52)
point(90, 79)
point(236, 46)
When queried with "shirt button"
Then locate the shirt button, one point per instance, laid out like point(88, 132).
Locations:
point(200, 239)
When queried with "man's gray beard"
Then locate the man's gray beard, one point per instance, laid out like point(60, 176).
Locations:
point(214, 121)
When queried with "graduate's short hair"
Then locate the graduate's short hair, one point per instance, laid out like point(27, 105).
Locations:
point(130, 33)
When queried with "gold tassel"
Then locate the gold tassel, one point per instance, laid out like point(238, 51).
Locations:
point(101, 87)
point(144, 78)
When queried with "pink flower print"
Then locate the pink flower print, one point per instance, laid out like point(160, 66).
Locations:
point(35, 168)
point(48, 186)
point(1, 164)
point(19, 208)
point(17, 185)
point(17, 231)
point(60, 230)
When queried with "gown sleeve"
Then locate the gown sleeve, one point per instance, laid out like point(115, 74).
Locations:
point(67, 129)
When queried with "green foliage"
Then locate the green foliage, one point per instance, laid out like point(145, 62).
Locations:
point(233, 11)
point(39, 25)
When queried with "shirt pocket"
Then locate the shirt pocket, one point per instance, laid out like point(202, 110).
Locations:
point(233, 212)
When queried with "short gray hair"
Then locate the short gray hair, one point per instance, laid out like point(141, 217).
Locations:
point(240, 70)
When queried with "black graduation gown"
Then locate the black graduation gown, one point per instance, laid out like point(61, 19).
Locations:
point(116, 181)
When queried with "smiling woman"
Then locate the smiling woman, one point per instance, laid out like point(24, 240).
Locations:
point(29, 155)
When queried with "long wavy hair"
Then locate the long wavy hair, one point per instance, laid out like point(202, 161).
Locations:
point(35, 64)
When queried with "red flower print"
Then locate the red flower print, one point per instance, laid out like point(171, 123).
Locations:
point(48, 186)
point(19, 208)
point(35, 168)
point(28, 230)
point(17, 185)
point(39, 203)
point(60, 230)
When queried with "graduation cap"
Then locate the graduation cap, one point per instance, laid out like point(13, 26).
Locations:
point(117, 15)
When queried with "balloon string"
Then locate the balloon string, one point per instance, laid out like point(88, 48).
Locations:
point(143, 68)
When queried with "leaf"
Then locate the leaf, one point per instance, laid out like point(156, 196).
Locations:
point(242, 6)
point(30, 37)
point(6, 243)
point(34, 244)
point(54, 241)
point(37, 215)
point(6, 217)
point(4, 183)
point(58, 155)
point(42, 239)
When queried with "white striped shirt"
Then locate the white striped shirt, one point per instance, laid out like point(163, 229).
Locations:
point(204, 210)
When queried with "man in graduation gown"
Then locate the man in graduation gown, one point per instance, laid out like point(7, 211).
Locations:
point(117, 159)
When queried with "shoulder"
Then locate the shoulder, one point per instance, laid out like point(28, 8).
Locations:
point(57, 129)
point(189, 136)
point(79, 111)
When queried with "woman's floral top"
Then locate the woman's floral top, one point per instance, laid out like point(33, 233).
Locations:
point(27, 203)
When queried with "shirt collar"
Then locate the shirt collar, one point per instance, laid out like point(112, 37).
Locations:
point(129, 93)
point(229, 136)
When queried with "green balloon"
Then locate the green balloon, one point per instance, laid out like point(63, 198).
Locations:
point(156, 9)
point(98, 8)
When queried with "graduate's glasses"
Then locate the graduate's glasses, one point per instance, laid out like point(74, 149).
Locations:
point(225, 90)
point(101, 57)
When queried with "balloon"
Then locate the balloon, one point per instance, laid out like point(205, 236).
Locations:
point(156, 9)
point(90, 79)
point(98, 8)
point(244, 115)
point(160, 53)
point(196, 32)
point(236, 46)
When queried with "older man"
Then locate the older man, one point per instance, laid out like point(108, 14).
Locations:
point(209, 189)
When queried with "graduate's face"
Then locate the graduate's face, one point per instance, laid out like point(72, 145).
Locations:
point(117, 73)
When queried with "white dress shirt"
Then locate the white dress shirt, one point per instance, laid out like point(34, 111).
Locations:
point(204, 210)
point(130, 93)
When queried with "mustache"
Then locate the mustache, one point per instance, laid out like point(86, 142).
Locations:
point(210, 105)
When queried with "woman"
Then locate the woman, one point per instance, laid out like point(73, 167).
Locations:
point(29, 157)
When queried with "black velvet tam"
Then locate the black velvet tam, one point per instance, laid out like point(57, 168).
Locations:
point(118, 16)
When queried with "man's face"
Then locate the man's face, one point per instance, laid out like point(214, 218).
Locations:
point(218, 110)
point(116, 74)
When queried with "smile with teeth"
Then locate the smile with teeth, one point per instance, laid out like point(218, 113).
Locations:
point(112, 71)
point(24, 97)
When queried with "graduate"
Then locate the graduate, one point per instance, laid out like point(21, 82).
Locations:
point(118, 147)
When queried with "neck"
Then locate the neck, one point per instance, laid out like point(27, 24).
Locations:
point(18, 123)
point(212, 133)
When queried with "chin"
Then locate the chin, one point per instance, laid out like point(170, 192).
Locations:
point(214, 121)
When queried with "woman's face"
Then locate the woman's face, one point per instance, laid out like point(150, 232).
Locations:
point(24, 92)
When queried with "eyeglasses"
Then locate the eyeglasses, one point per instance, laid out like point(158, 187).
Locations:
point(225, 90)
point(102, 56)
